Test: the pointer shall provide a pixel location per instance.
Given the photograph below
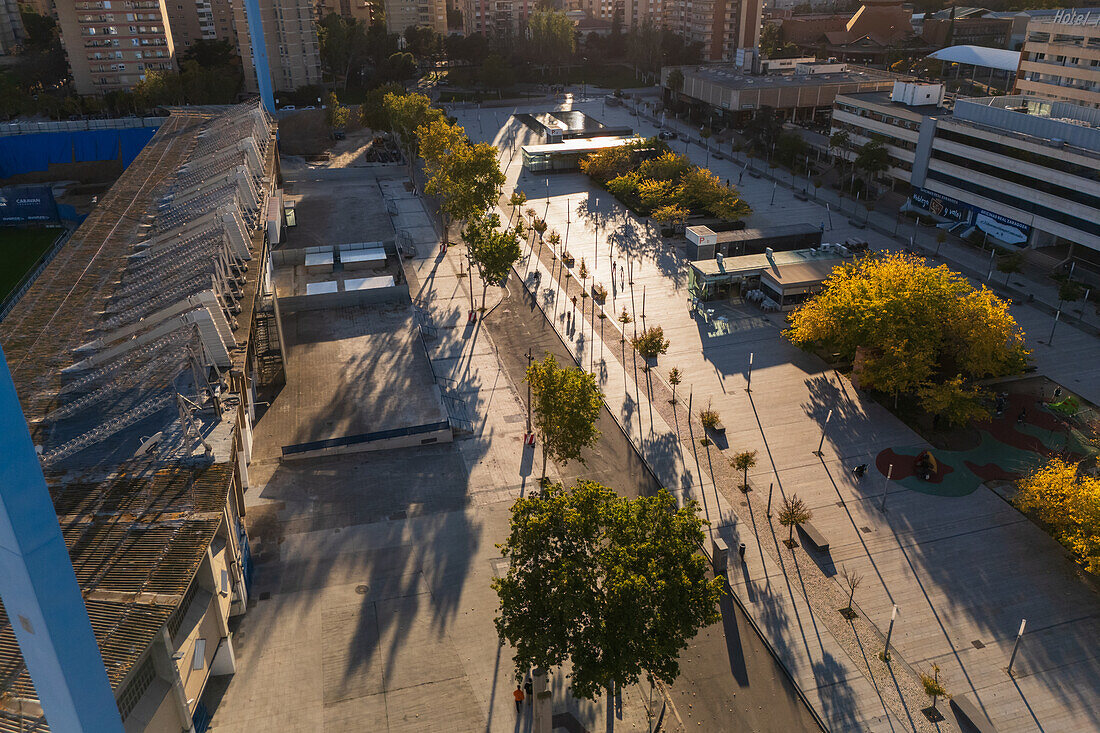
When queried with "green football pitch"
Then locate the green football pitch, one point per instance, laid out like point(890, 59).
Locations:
point(19, 250)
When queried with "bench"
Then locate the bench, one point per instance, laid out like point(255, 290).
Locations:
point(967, 711)
point(813, 534)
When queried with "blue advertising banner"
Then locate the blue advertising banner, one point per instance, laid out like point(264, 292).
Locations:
point(995, 225)
point(25, 204)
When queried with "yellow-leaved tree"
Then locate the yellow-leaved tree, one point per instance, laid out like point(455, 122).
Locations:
point(1067, 501)
point(919, 330)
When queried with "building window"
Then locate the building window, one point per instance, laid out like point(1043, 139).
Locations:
point(139, 683)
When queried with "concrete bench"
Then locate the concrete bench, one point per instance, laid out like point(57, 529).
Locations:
point(967, 711)
point(813, 534)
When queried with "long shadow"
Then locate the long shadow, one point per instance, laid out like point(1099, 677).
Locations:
point(733, 636)
point(838, 702)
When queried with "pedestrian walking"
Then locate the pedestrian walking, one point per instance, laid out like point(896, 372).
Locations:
point(518, 695)
point(528, 689)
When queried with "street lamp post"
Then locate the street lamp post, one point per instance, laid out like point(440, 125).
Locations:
point(530, 357)
point(748, 386)
point(889, 632)
point(886, 485)
point(1016, 645)
point(824, 427)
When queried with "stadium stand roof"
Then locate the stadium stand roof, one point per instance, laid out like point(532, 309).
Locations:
point(129, 333)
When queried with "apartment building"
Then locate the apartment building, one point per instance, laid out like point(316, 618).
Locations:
point(112, 43)
point(193, 20)
point(293, 53)
point(1061, 58)
point(495, 18)
point(728, 29)
point(361, 10)
point(400, 14)
point(1022, 170)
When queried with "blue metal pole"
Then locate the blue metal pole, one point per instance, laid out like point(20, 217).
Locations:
point(39, 588)
point(259, 53)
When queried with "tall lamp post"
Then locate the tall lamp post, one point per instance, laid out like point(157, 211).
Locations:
point(821, 443)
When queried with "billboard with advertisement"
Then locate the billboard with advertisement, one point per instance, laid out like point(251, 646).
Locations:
point(995, 225)
point(26, 205)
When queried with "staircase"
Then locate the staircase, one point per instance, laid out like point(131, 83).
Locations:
point(269, 352)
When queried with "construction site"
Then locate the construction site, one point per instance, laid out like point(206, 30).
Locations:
point(136, 355)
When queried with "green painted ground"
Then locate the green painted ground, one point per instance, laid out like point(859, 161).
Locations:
point(993, 459)
point(19, 250)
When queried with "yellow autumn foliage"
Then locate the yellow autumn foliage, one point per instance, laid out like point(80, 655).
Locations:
point(919, 329)
point(1068, 503)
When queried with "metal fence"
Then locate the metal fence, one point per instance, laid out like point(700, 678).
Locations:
point(121, 123)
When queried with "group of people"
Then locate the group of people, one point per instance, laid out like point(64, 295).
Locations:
point(523, 693)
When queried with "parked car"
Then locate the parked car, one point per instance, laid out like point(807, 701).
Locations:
point(289, 107)
point(666, 135)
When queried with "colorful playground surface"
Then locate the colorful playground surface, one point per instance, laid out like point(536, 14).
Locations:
point(1028, 430)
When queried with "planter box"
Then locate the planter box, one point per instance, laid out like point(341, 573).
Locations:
point(568, 260)
point(598, 297)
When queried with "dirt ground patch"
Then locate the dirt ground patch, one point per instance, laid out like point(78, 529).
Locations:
point(305, 133)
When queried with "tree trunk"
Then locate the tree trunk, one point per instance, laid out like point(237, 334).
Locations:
point(543, 458)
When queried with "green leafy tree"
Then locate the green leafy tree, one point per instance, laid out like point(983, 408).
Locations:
point(373, 112)
point(675, 377)
point(407, 113)
point(398, 66)
point(517, 200)
point(423, 41)
point(492, 249)
point(336, 114)
point(625, 319)
point(873, 158)
point(651, 342)
point(772, 45)
point(743, 461)
point(467, 178)
point(793, 512)
point(675, 81)
point(496, 73)
point(211, 54)
point(615, 587)
point(791, 149)
point(839, 142)
point(915, 327)
point(933, 685)
point(763, 129)
point(343, 45)
point(566, 403)
point(552, 36)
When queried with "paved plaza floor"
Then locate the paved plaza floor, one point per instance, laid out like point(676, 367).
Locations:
point(963, 570)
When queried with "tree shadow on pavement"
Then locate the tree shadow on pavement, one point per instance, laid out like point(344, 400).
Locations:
point(838, 701)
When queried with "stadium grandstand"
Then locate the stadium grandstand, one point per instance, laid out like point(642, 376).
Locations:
point(134, 355)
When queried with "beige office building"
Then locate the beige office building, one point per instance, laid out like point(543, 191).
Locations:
point(1061, 58)
point(292, 48)
point(400, 14)
point(193, 20)
point(360, 10)
point(112, 43)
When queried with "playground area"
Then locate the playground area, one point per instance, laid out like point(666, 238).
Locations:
point(1036, 419)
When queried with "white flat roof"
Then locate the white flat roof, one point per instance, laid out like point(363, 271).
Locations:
point(327, 286)
point(318, 258)
point(368, 283)
point(579, 144)
point(364, 255)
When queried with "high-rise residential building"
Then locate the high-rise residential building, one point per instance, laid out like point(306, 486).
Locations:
point(728, 29)
point(11, 26)
point(193, 20)
point(400, 14)
point(361, 10)
point(291, 38)
point(112, 43)
point(1061, 58)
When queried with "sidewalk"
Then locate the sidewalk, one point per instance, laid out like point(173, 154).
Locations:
point(962, 570)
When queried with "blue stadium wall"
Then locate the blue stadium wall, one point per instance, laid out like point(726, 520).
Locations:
point(38, 151)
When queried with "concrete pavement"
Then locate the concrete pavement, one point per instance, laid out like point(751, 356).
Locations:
point(963, 570)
